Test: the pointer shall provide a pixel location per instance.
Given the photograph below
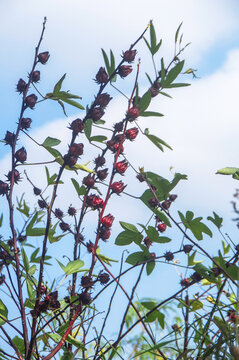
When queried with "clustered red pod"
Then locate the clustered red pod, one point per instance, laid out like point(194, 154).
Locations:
point(25, 123)
point(21, 86)
point(16, 176)
point(124, 70)
point(77, 126)
point(75, 150)
point(133, 113)
point(169, 256)
point(35, 76)
point(102, 174)
point(96, 113)
point(118, 187)
point(4, 188)
point(89, 181)
point(162, 227)
point(132, 133)
point(101, 76)
point(121, 167)
point(104, 278)
point(64, 226)
point(43, 57)
point(115, 144)
point(106, 224)
point(129, 55)
point(10, 138)
point(103, 100)
point(21, 155)
point(94, 201)
point(71, 211)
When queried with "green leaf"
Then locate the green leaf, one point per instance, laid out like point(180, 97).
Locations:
point(25, 260)
point(150, 113)
point(176, 85)
point(145, 101)
point(153, 39)
point(1, 220)
point(205, 272)
point(137, 258)
point(98, 138)
point(81, 190)
point(195, 304)
point(127, 237)
point(177, 32)
point(150, 267)
point(191, 258)
point(73, 103)
point(49, 141)
point(151, 82)
point(195, 225)
point(72, 267)
point(152, 348)
point(228, 171)
point(58, 85)
point(217, 220)
point(112, 64)
point(147, 43)
point(147, 195)
point(104, 258)
point(161, 318)
point(88, 128)
point(19, 343)
point(106, 60)
point(3, 313)
point(173, 73)
point(233, 271)
point(157, 141)
point(153, 235)
point(162, 70)
point(128, 226)
point(30, 290)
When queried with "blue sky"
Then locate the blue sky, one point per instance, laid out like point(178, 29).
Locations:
point(200, 122)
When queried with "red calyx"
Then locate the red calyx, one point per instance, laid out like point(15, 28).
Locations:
point(121, 166)
point(102, 76)
point(118, 187)
point(162, 227)
point(129, 55)
point(107, 220)
point(124, 70)
point(43, 57)
point(133, 113)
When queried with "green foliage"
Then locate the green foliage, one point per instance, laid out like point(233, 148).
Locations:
point(195, 225)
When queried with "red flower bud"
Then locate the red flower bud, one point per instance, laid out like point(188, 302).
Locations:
point(102, 76)
point(16, 176)
point(173, 197)
point(35, 76)
point(87, 282)
point(153, 202)
point(103, 100)
point(64, 226)
point(121, 166)
point(162, 227)
point(102, 174)
point(187, 248)
point(99, 161)
point(140, 177)
point(129, 55)
point(147, 242)
point(9, 138)
point(89, 181)
point(107, 220)
point(85, 298)
point(104, 278)
point(43, 57)
point(133, 113)
point(119, 126)
point(42, 204)
point(169, 256)
point(185, 282)
point(118, 187)
point(21, 86)
point(25, 123)
point(3, 188)
point(77, 126)
point(21, 155)
point(96, 113)
point(76, 149)
point(166, 204)
point(125, 70)
point(71, 211)
point(132, 133)
point(94, 201)
point(30, 101)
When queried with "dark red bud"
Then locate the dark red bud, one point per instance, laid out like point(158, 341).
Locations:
point(107, 220)
point(129, 55)
point(153, 202)
point(3, 188)
point(133, 113)
point(10, 138)
point(140, 177)
point(196, 277)
point(103, 100)
point(153, 255)
point(77, 126)
point(87, 282)
point(70, 160)
point(187, 248)
point(102, 174)
point(21, 155)
point(169, 256)
point(121, 166)
point(36, 191)
point(154, 89)
point(96, 113)
point(43, 57)
point(76, 149)
point(59, 213)
point(94, 201)
point(99, 161)
point(16, 176)
point(124, 70)
point(89, 181)
point(147, 242)
point(21, 86)
point(132, 133)
point(64, 226)
point(173, 197)
point(35, 76)
point(162, 227)
point(71, 211)
point(119, 126)
point(102, 76)
point(104, 233)
point(90, 246)
point(118, 187)
point(30, 101)
point(25, 123)
point(85, 298)
point(42, 204)
point(104, 278)
point(185, 282)
point(166, 204)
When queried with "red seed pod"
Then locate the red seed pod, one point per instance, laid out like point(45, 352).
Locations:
point(21, 86)
point(43, 57)
point(64, 226)
point(16, 176)
point(71, 211)
point(42, 204)
point(102, 76)
point(115, 147)
point(25, 123)
point(77, 126)
point(162, 227)
point(132, 133)
point(94, 201)
point(107, 220)
point(117, 187)
point(99, 161)
point(187, 248)
point(124, 70)
point(133, 113)
point(10, 138)
point(104, 233)
point(89, 181)
point(119, 126)
point(21, 155)
point(59, 213)
point(70, 160)
point(36, 191)
point(76, 149)
point(30, 101)
point(85, 298)
point(4, 188)
point(121, 167)
point(97, 113)
point(129, 55)
point(153, 255)
point(87, 282)
point(147, 242)
point(104, 278)
point(102, 174)
point(103, 100)
point(35, 76)
point(169, 256)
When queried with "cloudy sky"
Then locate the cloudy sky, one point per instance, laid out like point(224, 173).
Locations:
point(200, 122)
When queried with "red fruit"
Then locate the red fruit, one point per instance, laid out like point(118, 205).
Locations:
point(43, 57)
point(107, 220)
point(153, 255)
point(77, 126)
point(102, 174)
point(10, 138)
point(97, 113)
point(104, 278)
point(140, 177)
point(30, 101)
point(153, 202)
point(71, 211)
point(124, 70)
point(162, 227)
point(25, 123)
point(3, 188)
point(85, 298)
point(87, 282)
point(35, 76)
point(64, 226)
point(166, 204)
point(99, 161)
point(147, 242)
point(119, 126)
point(70, 160)
point(36, 191)
point(103, 100)
point(169, 256)
point(16, 176)
point(102, 76)
point(21, 155)
point(76, 149)
point(129, 55)
point(132, 133)
point(89, 181)
point(42, 204)
point(94, 201)
point(21, 86)
point(118, 187)
point(185, 282)
point(187, 248)
point(121, 166)
point(133, 113)
point(59, 213)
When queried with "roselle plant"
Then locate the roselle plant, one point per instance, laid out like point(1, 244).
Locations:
point(42, 320)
